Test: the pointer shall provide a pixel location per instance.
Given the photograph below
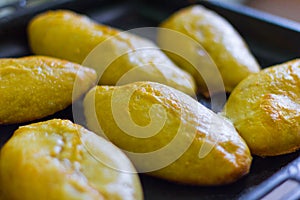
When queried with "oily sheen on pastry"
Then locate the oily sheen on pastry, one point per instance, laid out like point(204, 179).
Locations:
point(218, 38)
point(59, 160)
point(153, 123)
point(265, 109)
point(34, 87)
point(65, 34)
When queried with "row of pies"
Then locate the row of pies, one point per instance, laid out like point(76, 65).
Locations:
point(159, 125)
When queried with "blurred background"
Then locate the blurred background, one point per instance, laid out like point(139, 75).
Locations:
point(284, 8)
point(289, 9)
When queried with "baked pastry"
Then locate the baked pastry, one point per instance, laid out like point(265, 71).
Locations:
point(65, 34)
point(167, 133)
point(265, 109)
point(218, 38)
point(34, 87)
point(59, 160)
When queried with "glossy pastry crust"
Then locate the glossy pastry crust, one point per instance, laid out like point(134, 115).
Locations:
point(265, 109)
point(65, 34)
point(227, 160)
point(217, 36)
point(37, 86)
point(50, 160)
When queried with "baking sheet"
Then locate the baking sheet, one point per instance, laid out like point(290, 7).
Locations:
point(271, 42)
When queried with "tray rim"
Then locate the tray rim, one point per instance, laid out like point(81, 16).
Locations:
point(257, 14)
point(237, 8)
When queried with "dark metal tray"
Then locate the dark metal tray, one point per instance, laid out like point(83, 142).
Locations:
point(272, 40)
